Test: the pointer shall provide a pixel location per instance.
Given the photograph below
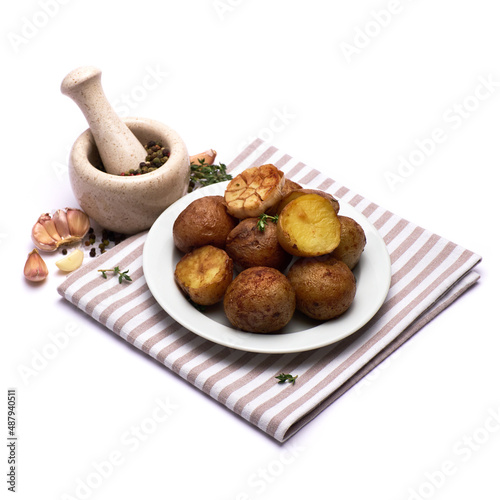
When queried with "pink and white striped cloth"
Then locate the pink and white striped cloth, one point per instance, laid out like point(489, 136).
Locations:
point(428, 273)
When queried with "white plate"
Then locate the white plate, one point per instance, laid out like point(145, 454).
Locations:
point(373, 275)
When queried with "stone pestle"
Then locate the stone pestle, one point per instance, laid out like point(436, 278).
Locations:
point(119, 148)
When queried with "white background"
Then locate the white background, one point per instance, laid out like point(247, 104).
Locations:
point(308, 79)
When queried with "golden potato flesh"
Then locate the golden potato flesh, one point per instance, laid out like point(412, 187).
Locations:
point(352, 242)
point(324, 287)
point(259, 300)
point(308, 226)
point(204, 274)
point(295, 193)
point(204, 221)
point(248, 246)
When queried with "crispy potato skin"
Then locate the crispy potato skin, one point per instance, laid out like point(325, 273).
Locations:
point(248, 246)
point(295, 193)
point(204, 274)
point(290, 186)
point(204, 221)
point(259, 300)
point(324, 287)
point(352, 242)
point(308, 226)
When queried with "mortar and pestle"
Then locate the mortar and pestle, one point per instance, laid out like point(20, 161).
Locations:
point(124, 204)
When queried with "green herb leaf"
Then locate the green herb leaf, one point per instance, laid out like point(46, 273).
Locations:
point(203, 175)
point(263, 218)
point(122, 275)
point(286, 377)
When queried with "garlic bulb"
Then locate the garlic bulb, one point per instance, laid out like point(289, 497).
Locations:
point(35, 268)
point(64, 227)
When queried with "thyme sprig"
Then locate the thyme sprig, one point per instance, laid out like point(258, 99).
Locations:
point(286, 377)
point(263, 218)
point(203, 175)
point(122, 275)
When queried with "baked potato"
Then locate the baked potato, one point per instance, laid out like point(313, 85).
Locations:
point(248, 246)
point(295, 193)
point(254, 191)
point(290, 186)
point(308, 226)
point(259, 300)
point(324, 287)
point(352, 242)
point(204, 221)
point(204, 274)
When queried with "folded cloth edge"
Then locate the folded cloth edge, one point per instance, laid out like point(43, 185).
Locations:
point(452, 294)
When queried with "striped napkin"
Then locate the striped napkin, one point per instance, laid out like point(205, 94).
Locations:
point(428, 273)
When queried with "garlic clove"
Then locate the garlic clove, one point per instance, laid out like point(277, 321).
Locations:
point(78, 222)
point(208, 156)
point(61, 222)
point(42, 239)
point(35, 268)
point(46, 221)
point(71, 262)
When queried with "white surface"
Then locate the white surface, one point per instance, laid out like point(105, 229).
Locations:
point(219, 77)
point(160, 257)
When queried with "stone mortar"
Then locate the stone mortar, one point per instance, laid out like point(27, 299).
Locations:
point(129, 204)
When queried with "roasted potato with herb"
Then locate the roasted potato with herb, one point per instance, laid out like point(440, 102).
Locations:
point(308, 226)
point(252, 244)
point(259, 300)
point(324, 287)
point(204, 274)
point(204, 221)
point(352, 242)
point(295, 193)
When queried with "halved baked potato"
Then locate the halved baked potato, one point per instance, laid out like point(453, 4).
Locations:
point(308, 226)
point(204, 274)
point(295, 193)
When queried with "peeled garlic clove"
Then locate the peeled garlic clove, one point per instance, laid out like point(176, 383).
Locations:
point(71, 262)
point(61, 222)
point(42, 239)
point(35, 268)
point(78, 222)
point(208, 156)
